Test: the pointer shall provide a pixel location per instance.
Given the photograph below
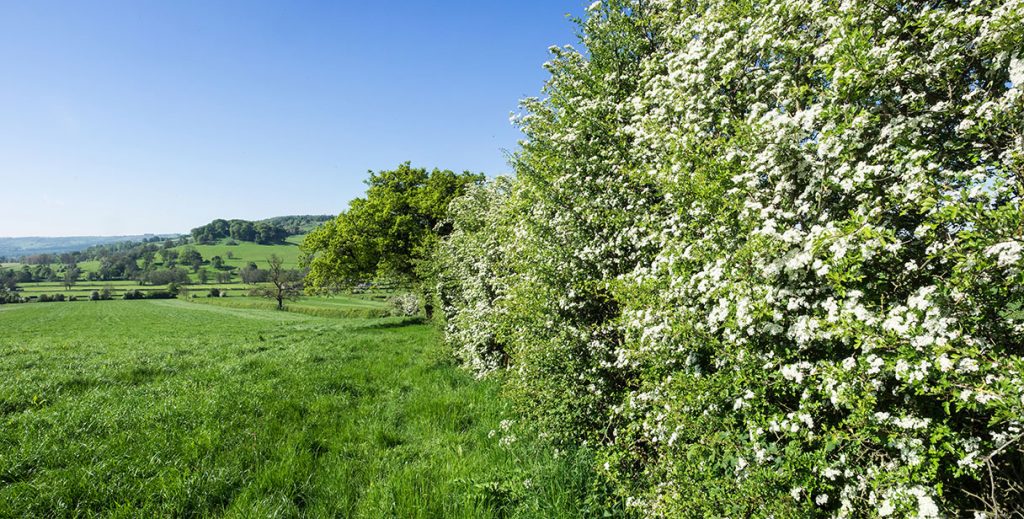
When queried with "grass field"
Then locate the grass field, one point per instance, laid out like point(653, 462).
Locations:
point(335, 306)
point(245, 252)
point(175, 408)
point(242, 254)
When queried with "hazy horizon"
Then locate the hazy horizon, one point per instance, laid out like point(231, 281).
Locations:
point(125, 119)
point(152, 233)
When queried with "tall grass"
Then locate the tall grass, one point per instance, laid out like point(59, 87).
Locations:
point(168, 408)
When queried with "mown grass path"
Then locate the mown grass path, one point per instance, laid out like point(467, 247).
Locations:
point(169, 408)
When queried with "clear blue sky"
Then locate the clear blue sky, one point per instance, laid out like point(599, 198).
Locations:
point(142, 116)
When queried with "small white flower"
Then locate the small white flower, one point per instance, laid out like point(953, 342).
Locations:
point(741, 464)
point(886, 509)
point(821, 499)
point(795, 492)
point(1006, 253)
point(926, 507)
point(1017, 72)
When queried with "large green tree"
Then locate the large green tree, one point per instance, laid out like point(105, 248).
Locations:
point(388, 234)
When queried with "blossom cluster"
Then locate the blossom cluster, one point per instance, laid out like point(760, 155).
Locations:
point(768, 258)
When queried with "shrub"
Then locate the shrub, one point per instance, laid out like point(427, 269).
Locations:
point(58, 297)
point(405, 304)
point(167, 276)
point(768, 257)
point(160, 294)
point(94, 296)
point(133, 294)
point(470, 264)
point(214, 292)
point(44, 298)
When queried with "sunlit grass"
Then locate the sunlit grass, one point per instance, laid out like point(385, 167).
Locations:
point(170, 408)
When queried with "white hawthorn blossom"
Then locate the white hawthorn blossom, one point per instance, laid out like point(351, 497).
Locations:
point(768, 251)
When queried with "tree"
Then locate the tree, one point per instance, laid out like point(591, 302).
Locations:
point(266, 233)
point(190, 256)
point(204, 276)
point(217, 262)
point(286, 284)
point(44, 272)
point(71, 273)
point(242, 230)
point(166, 276)
point(251, 274)
point(211, 232)
point(8, 286)
point(148, 258)
point(389, 233)
point(169, 256)
point(8, 279)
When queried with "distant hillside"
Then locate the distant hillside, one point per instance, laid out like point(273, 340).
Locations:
point(275, 229)
point(27, 246)
point(271, 230)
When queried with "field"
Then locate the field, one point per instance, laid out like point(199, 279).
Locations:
point(245, 252)
point(170, 408)
point(241, 254)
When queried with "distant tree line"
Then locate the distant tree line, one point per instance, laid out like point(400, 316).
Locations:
point(299, 224)
point(240, 230)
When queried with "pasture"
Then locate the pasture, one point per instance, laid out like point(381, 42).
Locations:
point(172, 408)
point(244, 252)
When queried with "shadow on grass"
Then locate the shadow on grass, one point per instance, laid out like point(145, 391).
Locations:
point(402, 323)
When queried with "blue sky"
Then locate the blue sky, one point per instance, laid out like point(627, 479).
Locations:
point(143, 116)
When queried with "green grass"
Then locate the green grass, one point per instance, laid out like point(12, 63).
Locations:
point(245, 252)
point(172, 408)
point(338, 306)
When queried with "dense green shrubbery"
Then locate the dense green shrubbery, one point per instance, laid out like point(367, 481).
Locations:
point(470, 267)
point(161, 294)
point(766, 258)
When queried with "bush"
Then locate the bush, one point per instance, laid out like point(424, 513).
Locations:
point(471, 263)
point(160, 294)
point(214, 292)
point(767, 261)
point(167, 276)
point(58, 297)
point(405, 305)
point(133, 294)
point(44, 298)
point(94, 296)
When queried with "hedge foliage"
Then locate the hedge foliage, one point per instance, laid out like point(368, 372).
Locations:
point(766, 257)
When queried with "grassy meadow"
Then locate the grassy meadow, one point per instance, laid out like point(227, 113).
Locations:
point(244, 252)
point(179, 408)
